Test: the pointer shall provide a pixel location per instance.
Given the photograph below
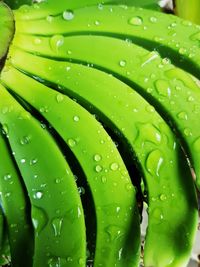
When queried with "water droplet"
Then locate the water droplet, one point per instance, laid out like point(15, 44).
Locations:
point(129, 187)
point(114, 232)
point(23, 161)
point(39, 219)
point(190, 98)
point(98, 168)
point(122, 63)
point(182, 115)
point(163, 197)
point(71, 142)
point(196, 144)
point(182, 50)
point(157, 214)
point(56, 42)
point(81, 261)
point(150, 109)
point(163, 88)
point(68, 15)
point(148, 133)
point(38, 195)
point(25, 140)
point(5, 129)
point(114, 166)
point(49, 18)
point(136, 21)
point(59, 98)
point(7, 177)
point(76, 118)
point(37, 41)
point(97, 23)
point(166, 61)
point(187, 132)
point(103, 179)
point(81, 190)
point(153, 19)
point(154, 162)
point(97, 157)
point(33, 161)
point(57, 226)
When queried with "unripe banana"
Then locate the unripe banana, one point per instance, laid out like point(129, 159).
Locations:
point(15, 205)
point(118, 231)
point(173, 37)
point(142, 130)
point(173, 92)
point(56, 208)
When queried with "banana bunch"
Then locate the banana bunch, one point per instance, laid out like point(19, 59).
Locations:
point(99, 113)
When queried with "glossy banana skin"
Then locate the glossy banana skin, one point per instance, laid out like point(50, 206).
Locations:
point(158, 219)
point(15, 205)
point(50, 185)
point(45, 8)
point(162, 84)
point(140, 123)
point(117, 215)
point(171, 36)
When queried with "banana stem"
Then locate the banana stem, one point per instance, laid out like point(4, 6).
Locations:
point(189, 10)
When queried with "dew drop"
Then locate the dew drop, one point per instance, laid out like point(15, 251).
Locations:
point(38, 195)
point(114, 232)
point(98, 168)
point(71, 142)
point(57, 226)
point(182, 115)
point(68, 15)
point(163, 88)
point(76, 118)
point(154, 162)
point(59, 98)
point(56, 42)
point(114, 166)
point(163, 197)
point(39, 219)
point(122, 63)
point(182, 50)
point(5, 129)
point(7, 177)
point(97, 157)
point(25, 140)
point(153, 19)
point(157, 214)
point(187, 132)
point(136, 21)
point(23, 161)
point(103, 179)
point(33, 161)
point(81, 261)
point(37, 41)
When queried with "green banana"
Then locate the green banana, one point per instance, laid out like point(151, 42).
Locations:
point(56, 209)
point(49, 8)
point(188, 10)
point(118, 231)
point(15, 207)
point(171, 36)
point(144, 131)
point(7, 29)
point(173, 92)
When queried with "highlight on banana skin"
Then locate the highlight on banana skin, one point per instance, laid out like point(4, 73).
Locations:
point(99, 138)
